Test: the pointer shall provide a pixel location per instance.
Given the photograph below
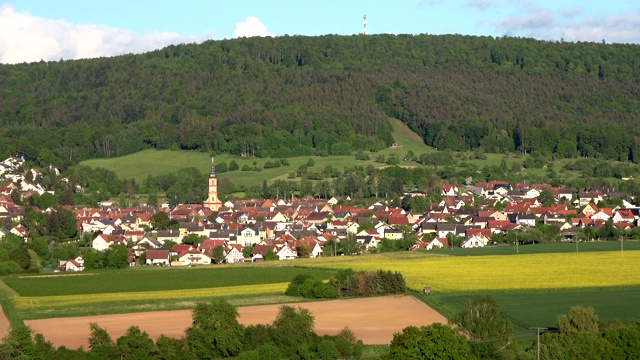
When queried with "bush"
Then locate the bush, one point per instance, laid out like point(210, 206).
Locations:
point(294, 285)
point(222, 167)
point(233, 166)
point(327, 350)
point(308, 287)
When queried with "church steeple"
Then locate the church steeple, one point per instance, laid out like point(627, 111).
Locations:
point(213, 202)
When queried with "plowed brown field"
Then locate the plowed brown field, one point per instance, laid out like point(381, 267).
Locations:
point(374, 320)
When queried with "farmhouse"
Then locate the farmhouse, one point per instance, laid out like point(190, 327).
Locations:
point(158, 257)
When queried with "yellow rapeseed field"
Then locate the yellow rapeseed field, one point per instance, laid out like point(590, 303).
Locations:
point(501, 272)
point(30, 303)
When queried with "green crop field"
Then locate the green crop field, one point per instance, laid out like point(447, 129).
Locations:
point(158, 279)
point(146, 289)
point(540, 308)
point(560, 247)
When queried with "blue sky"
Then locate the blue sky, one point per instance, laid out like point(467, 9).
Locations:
point(31, 30)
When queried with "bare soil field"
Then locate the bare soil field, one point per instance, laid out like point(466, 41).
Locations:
point(373, 320)
point(5, 326)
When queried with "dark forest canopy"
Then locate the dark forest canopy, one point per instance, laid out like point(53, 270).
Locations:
point(296, 95)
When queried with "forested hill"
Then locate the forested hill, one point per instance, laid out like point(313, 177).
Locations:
point(297, 95)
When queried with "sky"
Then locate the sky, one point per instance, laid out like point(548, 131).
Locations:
point(34, 30)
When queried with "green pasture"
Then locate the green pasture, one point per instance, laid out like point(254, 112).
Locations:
point(153, 162)
point(561, 247)
point(158, 279)
point(157, 162)
point(540, 308)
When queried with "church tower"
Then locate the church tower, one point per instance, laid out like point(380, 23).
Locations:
point(213, 202)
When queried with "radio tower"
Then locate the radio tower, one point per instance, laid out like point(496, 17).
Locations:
point(364, 23)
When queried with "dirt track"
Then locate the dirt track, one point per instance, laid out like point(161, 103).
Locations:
point(374, 320)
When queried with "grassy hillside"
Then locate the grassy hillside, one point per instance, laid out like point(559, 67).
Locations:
point(156, 162)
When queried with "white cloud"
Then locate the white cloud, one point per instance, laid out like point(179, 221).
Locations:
point(25, 37)
point(481, 4)
point(567, 25)
point(251, 27)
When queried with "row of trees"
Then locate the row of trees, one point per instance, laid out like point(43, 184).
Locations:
point(215, 333)
point(479, 332)
point(348, 283)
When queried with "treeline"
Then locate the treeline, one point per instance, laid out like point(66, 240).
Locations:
point(348, 283)
point(295, 96)
point(214, 334)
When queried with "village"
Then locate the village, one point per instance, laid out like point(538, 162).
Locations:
point(255, 230)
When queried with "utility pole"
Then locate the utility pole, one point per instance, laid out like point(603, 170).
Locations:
point(622, 246)
point(538, 330)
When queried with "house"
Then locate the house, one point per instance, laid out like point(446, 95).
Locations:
point(158, 257)
point(603, 214)
point(149, 242)
point(74, 264)
point(393, 234)
point(436, 243)
point(449, 190)
point(20, 231)
point(248, 236)
point(623, 215)
point(169, 235)
point(103, 241)
point(477, 240)
point(526, 219)
point(194, 257)
point(233, 254)
point(314, 246)
point(284, 252)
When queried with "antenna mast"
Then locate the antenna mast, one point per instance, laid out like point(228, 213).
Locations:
point(364, 23)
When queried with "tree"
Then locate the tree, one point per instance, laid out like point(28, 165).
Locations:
point(135, 344)
point(546, 197)
point(271, 256)
point(215, 331)
point(152, 199)
point(193, 239)
point(578, 319)
point(21, 343)
point(160, 220)
point(117, 256)
point(247, 251)
point(100, 343)
point(7, 223)
point(481, 323)
point(290, 320)
point(218, 254)
point(61, 223)
point(233, 166)
point(304, 250)
point(435, 341)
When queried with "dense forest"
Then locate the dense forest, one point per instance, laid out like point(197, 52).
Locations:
point(295, 95)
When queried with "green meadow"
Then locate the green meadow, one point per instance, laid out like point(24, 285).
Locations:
point(157, 279)
point(560, 247)
point(157, 162)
